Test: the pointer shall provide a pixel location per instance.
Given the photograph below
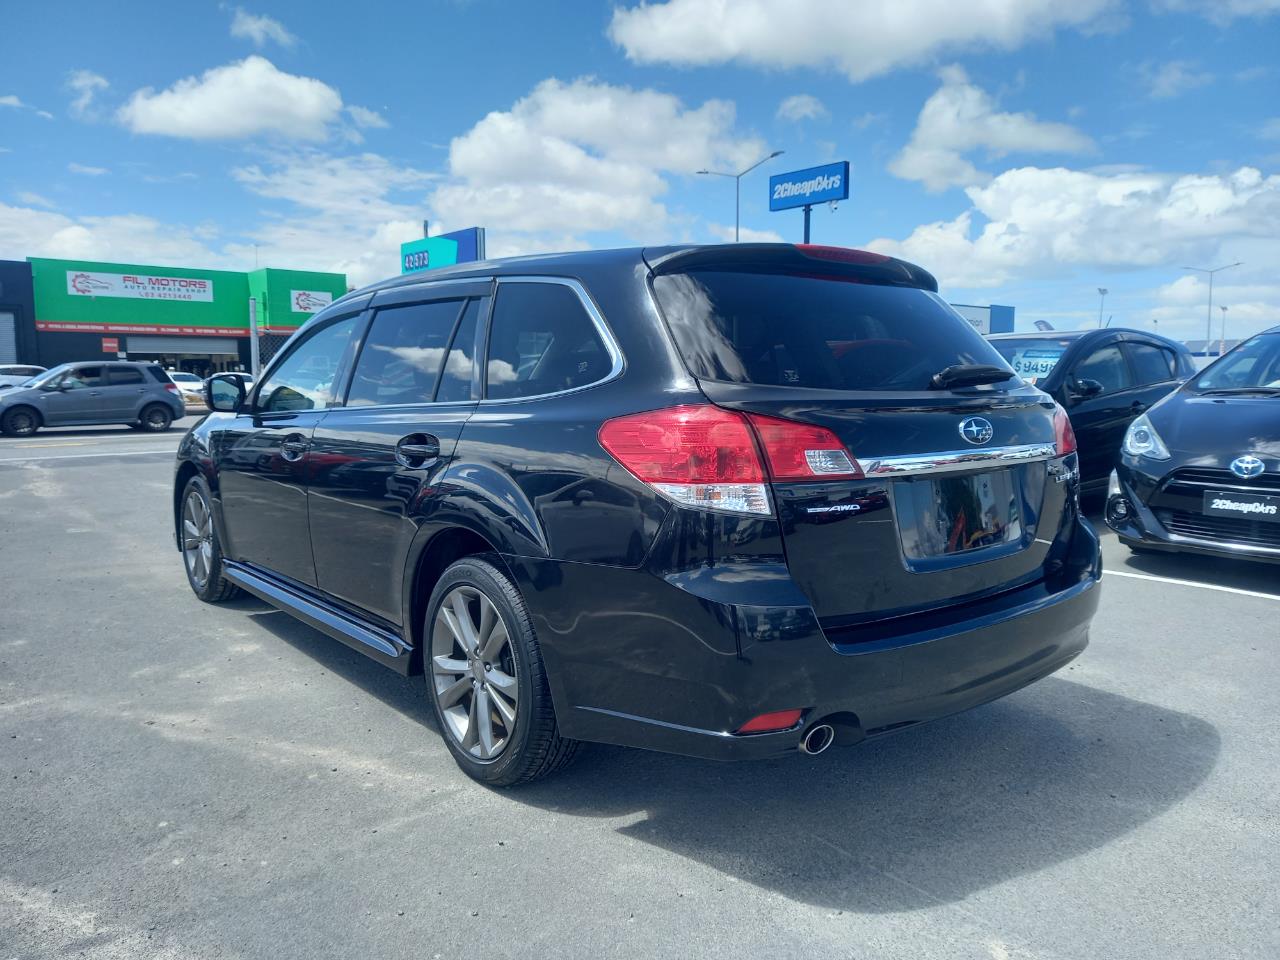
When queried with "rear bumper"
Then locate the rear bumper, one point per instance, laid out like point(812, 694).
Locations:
point(666, 668)
point(1142, 528)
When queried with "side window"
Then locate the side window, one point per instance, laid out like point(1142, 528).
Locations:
point(455, 379)
point(1151, 364)
point(403, 352)
point(125, 376)
point(304, 379)
point(542, 341)
point(1107, 366)
point(83, 377)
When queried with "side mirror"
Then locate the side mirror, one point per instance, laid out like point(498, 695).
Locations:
point(1086, 388)
point(224, 393)
point(52, 387)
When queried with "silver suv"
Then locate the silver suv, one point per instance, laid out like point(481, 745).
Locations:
point(138, 394)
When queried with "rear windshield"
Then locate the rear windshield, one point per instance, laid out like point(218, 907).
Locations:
point(1033, 358)
point(826, 333)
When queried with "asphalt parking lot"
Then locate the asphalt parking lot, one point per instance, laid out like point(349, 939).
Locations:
point(182, 780)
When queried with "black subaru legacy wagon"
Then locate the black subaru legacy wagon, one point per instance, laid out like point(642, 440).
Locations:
point(723, 501)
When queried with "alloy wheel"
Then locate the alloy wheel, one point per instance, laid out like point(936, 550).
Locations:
point(197, 538)
point(473, 671)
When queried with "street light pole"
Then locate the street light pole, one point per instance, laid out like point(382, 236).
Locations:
point(1208, 322)
point(737, 189)
point(1102, 291)
point(1222, 344)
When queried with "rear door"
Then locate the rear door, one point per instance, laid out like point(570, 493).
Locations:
point(377, 459)
point(122, 397)
point(959, 496)
point(1155, 371)
point(1100, 421)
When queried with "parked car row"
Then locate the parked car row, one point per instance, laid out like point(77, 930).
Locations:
point(143, 395)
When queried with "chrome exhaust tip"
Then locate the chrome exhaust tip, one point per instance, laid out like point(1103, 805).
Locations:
point(817, 739)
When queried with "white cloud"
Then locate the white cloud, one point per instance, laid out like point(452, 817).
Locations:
point(1270, 129)
point(12, 100)
point(260, 29)
point(244, 99)
point(85, 170)
point(724, 231)
point(367, 119)
point(1172, 78)
point(85, 84)
point(1180, 307)
point(25, 232)
point(343, 212)
point(583, 157)
point(802, 106)
point(960, 118)
point(1033, 223)
point(1221, 12)
point(34, 199)
point(862, 41)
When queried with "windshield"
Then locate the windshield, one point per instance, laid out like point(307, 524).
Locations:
point(48, 376)
point(1252, 365)
point(184, 378)
point(827, 333)
point(1033, 358)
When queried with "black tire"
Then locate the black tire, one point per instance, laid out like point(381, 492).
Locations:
point(155, 418)
point(534, 749)
point(20, 422)
point(214, 588)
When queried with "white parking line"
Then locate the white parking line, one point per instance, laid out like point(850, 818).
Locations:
point(1191, 583)
point(82, 456)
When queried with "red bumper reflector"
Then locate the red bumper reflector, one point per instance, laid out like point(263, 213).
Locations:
point(766, 722)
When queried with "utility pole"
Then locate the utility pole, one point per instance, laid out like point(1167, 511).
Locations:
point(254, 360)
point(1222, 344)
point(737, 192)
point(1102, 291)
point(1208, 319)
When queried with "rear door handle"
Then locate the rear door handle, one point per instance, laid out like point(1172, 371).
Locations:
point(417, 450)
point(293, 447)
point(1138, 406)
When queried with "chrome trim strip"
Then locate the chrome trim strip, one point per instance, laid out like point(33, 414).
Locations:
point(314, 612)
point(954, 461)
point(720, 734)
point(617, 363)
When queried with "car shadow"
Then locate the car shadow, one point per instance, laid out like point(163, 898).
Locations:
point(929, 815)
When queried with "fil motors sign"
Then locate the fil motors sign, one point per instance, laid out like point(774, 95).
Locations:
point(135, 286)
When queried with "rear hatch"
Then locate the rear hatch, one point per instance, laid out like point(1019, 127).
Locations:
point(957, 493)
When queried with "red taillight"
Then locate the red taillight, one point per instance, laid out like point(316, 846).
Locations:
point(171, 387)
point(841, 254)
point(690, 444)
point(698, 455)
point(767, 722)
point(801, 451)
point(705, 456)
point(1064, 437)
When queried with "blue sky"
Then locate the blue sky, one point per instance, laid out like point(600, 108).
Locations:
point(1026, 151)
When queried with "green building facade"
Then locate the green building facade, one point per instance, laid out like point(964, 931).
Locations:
point(191, 318)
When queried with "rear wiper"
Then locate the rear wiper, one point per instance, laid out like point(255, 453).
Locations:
point(969, 375)
point(1224, 391)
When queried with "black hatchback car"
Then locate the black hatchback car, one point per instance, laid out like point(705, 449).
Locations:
point(1200, 472)
point(1103, 379)
point(720, 501)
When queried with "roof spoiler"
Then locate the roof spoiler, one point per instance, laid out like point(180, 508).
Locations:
point(812, 259)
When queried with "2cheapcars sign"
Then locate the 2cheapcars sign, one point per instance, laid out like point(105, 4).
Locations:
point(801, 188)
point(82, 283)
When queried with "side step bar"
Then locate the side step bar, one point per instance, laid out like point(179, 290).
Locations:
point(383, 645)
